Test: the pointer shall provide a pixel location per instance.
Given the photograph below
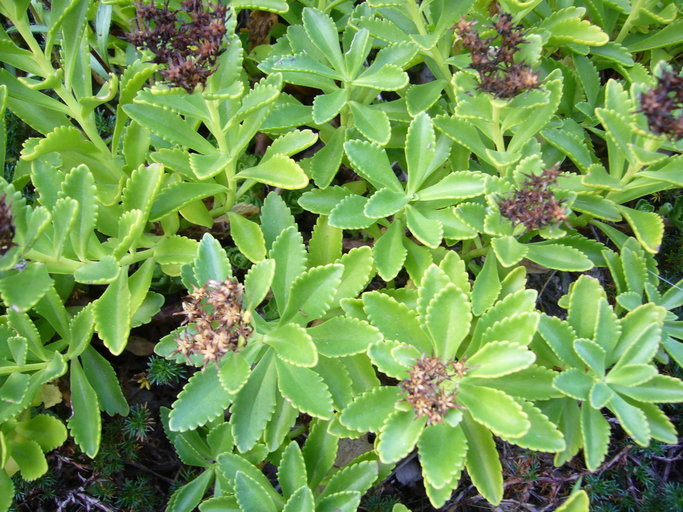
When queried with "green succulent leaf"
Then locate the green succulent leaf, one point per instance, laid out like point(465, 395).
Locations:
point(305, 389)
point(85, 422)
point(499, 358)
point(448, 320)
point(312, 293)
point(369, 411)
point(202, 399)
point(442, 450)
point(292, 470)
point(482, 462)
point(398, 435)
point(253, 406)
point(496, 410)
point(595, 436)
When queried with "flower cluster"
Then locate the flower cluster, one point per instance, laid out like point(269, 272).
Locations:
point(499, 74)
point(424, 390)
point(6, 226)
point(534, 204)
point(188, 49)
point(218, 323)
point(663, 105)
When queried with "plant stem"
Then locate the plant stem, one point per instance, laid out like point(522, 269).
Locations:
point(633, 15)
point(8, 370)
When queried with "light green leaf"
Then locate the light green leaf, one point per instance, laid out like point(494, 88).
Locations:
point(187, 497)
point(631, 374)
point(369, 411)
point(577, 502)
point(178, 195)
point(257, 283)
point(442, 450)
point(543, 435)
point(396, 321)
point(325, 245)
point(169, 126)
point(574, 383)
point(112, 314)
point(370, 161)
point(456, 185)
point(21, 290)
point(499, 358)
point(305, 389)
point(100, 272)
point(29, 458)
point(325, 163)
point(320, 452)
point(385, 202)
point(486, 286)
point(291, 472)
point(85, 422)
point(104, 381)
point(301, 501)
point(632, 419)
point(595, 436)
point(251, 495)
point(427, 231)
point(290, 257)
point(398, 435)
point(322, 32)
point(202, 399)
point(508, 250)
point(448, 320)
point(482, 462)
point(233, 372)
point(559, 257)
point(327, 106)
point(387, 77)
point(79, 184)
point(648, 227)
point(660, 388)
point(348, 214)
point(389, 252)
point(312, 293)
point(277, 171)
point(498, 411)
point(254, 405)
point(212, 262)
point(592, 354)
point(343, 336)
point(247, 237)
point(372, 123)
point(293, 344)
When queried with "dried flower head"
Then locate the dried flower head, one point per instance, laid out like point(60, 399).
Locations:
point(7, 230)
point(187, 41)
point(663, 105)
point(217, 322)
point(534, 204)
point(499, 74)
point(425, 389)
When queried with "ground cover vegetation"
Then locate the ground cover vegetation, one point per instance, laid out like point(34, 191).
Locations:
point(328, 255)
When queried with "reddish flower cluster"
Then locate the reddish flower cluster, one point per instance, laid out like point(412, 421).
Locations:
point(499, 74)
point(218, 323)
point(663, 105)
point(7, 230)
point(424, 390)
point(535, 205)
point(188, 49)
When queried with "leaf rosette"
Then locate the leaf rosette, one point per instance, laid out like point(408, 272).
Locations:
point(465, 374)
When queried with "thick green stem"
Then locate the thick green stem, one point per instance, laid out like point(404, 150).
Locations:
point(8, 370)
point(55, 265)
point(626, 27)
